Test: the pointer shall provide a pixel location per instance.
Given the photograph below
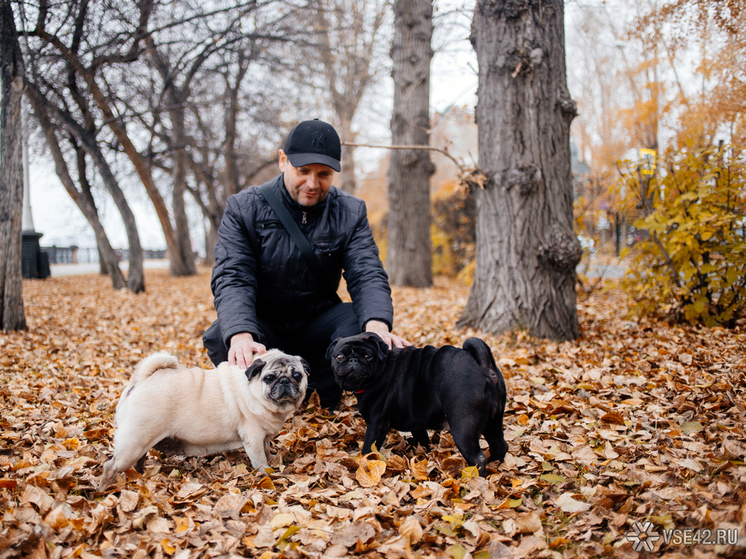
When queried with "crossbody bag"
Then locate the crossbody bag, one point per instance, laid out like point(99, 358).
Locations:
point(296, 235)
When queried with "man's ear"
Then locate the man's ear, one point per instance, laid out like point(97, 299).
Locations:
point(255, 369)
point(330, 349)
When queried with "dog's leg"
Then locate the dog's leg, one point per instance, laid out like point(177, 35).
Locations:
point(422, 438)
point(466, 436)
point(123, 458)
point(254, 447)
point(493, 433)
point(375, 433)
point(109, 475)
point(267, 447)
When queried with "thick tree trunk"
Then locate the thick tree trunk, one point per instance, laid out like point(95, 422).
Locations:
point(409, 261)
point(526, 248)
point(12, 316)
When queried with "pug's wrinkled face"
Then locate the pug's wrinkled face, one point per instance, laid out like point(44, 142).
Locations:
point(283, 378)
point(357, 360)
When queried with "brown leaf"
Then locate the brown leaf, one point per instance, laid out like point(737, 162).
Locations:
point(612, 417)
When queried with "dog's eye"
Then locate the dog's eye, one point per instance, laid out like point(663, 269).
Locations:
point(340, 357)
point(368, 357)
point(297, 376)
point(270, 378)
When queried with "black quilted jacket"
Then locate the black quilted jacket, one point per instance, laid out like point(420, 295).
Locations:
point(260, 272)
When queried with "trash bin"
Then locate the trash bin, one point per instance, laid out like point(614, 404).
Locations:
point(34, 263)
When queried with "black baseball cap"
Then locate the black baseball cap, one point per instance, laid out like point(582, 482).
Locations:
point(314, 141)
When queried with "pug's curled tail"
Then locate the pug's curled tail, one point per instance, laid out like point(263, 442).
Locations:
point(150, 365)
point(482, 354)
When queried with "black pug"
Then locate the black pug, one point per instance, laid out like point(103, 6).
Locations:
point(416, 389)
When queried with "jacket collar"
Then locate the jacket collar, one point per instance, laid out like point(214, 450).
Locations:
point(296, 210)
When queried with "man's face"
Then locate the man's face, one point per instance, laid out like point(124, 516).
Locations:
point(308, 185)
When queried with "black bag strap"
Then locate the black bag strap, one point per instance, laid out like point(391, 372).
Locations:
point(296, 234)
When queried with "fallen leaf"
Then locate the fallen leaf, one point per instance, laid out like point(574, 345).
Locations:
point(369, 472)
point(567, 503)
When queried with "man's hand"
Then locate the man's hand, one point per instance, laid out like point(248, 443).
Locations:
point(243, 349)
point(380, 328)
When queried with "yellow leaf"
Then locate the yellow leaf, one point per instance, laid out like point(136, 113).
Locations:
point(266, 483)
point(168, 549)
point(72, 444)
point(457, 551)
point(470, 472)
point(419, 468)
point(288, 534)
point(369, 472)
point(182, 524)
point(281, 520)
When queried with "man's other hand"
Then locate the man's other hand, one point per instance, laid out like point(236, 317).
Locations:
point(380, 328)
point(243, 349)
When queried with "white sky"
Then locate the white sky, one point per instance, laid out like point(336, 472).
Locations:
point(453, 82)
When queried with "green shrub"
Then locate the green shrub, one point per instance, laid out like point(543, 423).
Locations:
point(691, 263)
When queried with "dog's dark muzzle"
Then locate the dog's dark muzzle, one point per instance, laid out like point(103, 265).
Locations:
point(284, 389)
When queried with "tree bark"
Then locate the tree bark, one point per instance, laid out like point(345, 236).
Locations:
point(409, 260)
point(348, 31)
point(82, 199)
point(42, 106)
point(347, 180)
point(526, 249)
point(179, 266)
point(12, 315)
point(183, 238)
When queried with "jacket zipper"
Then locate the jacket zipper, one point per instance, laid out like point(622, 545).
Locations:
point(304, 221)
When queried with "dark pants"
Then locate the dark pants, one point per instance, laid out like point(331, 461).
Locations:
point(310, 340)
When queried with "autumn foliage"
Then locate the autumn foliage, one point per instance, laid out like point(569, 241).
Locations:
point(634, 421)
point(691, 264)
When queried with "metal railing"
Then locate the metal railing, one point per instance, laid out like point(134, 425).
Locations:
point(77, 255)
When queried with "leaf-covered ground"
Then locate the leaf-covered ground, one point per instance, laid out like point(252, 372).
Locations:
point(636, 421)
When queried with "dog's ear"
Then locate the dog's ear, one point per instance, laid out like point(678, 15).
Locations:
point(255, 369)
point(306, 366)
point(383, 348)
point(330, 349)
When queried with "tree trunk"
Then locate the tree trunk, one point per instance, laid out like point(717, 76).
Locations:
point(178, 266)
point(12, 316)
point(135, 274)
point(347, 33)
point(347, 175)
point(526, 248)
point(84, 200)
point(409, 260)
point(184, 241)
